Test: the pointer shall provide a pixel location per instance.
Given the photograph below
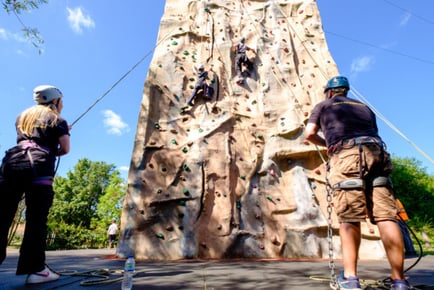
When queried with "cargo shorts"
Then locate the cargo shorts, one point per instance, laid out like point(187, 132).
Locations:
point(355, 205)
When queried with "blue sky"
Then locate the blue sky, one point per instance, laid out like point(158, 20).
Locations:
point(385, 47)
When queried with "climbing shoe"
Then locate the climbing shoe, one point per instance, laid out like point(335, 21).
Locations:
point(400, 285)
point(351, 283)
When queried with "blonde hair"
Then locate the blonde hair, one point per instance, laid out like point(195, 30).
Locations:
point(35, 117)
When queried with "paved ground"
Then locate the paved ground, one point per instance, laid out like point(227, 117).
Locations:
point(206, 275)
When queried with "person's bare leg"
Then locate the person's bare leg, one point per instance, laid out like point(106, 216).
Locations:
point(391, 237)
point(350, 242)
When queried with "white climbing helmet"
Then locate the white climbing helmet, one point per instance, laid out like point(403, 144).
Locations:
point(201, 67)
point(45, 94)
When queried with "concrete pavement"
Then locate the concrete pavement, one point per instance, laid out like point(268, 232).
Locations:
point(203, 274)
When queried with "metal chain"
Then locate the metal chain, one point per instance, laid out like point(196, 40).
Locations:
point(333, 282)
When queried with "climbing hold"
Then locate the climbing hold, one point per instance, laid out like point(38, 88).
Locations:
point(174, 43)
point(185, 167)
point(318, 171)
point(173, 141)
point(271, 171)
point(173, 131)
point(200, 130)
point(163, 169)
point(159, 191)
point(186, 52)
point(243, 177)
point(207, 10)
point(269, 197)
point(156, 125)
point(185, 149)
point(186, 192)
point(160, 236)
point(169, 228)
point(313, 186)
point(182, 202)
point(238, 204)
point(260, 136)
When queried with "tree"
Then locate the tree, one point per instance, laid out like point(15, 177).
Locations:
point(16, 7)
point(414, 187)
point(85, 200)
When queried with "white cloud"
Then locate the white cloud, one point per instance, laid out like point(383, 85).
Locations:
point(3, 34)
point(114, 124)
point(77, 20)
point(124, 168)
point(405, 19)
point(362, 64)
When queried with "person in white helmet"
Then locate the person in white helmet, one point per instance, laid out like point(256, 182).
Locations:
point(29, 168)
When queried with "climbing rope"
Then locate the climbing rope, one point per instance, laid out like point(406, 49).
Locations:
point(93, 277)
point(122, 78)
point(360, 97)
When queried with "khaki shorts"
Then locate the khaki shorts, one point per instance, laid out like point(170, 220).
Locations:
point(354, 205)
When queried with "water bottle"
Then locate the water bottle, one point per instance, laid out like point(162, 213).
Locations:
point(130, 265)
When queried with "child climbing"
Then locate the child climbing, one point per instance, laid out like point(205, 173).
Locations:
point(241, 60)
point(201, 84)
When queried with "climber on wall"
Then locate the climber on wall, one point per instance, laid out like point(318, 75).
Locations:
point(241, 59)
point(201, 84)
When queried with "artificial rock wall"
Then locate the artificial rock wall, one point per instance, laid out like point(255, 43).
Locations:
point(232, 177)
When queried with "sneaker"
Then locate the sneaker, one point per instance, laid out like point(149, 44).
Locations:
point(351, 283)
point(43, 276)
point(400, 285)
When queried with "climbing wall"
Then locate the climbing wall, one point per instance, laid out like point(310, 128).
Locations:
point(232, 177)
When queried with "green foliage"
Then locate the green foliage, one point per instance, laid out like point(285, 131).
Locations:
point(414, 187)
point(16, 7)
point(84, 204)
point(19, 6)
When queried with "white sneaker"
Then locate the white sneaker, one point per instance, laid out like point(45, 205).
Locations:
point(43, 276)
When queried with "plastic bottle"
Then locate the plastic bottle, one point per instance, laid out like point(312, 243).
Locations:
point(130, 265)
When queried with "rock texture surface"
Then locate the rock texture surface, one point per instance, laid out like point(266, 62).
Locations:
point(232, 177)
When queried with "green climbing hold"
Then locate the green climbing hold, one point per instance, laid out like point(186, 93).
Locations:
point(186, 52)
point(186, 192)
point(185, 167)
point(185, 149)
point(160, 236)
point(238, 204)
point(159, 191)
point(200, 130)
point(207, 10)
point(269, 197)
point(174, 43)
point(156, 125)
point(173, 141)
point(182, 202)
point(212, 81)
point(243, 177)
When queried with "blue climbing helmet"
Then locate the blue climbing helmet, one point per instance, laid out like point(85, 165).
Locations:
point(337, 82)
